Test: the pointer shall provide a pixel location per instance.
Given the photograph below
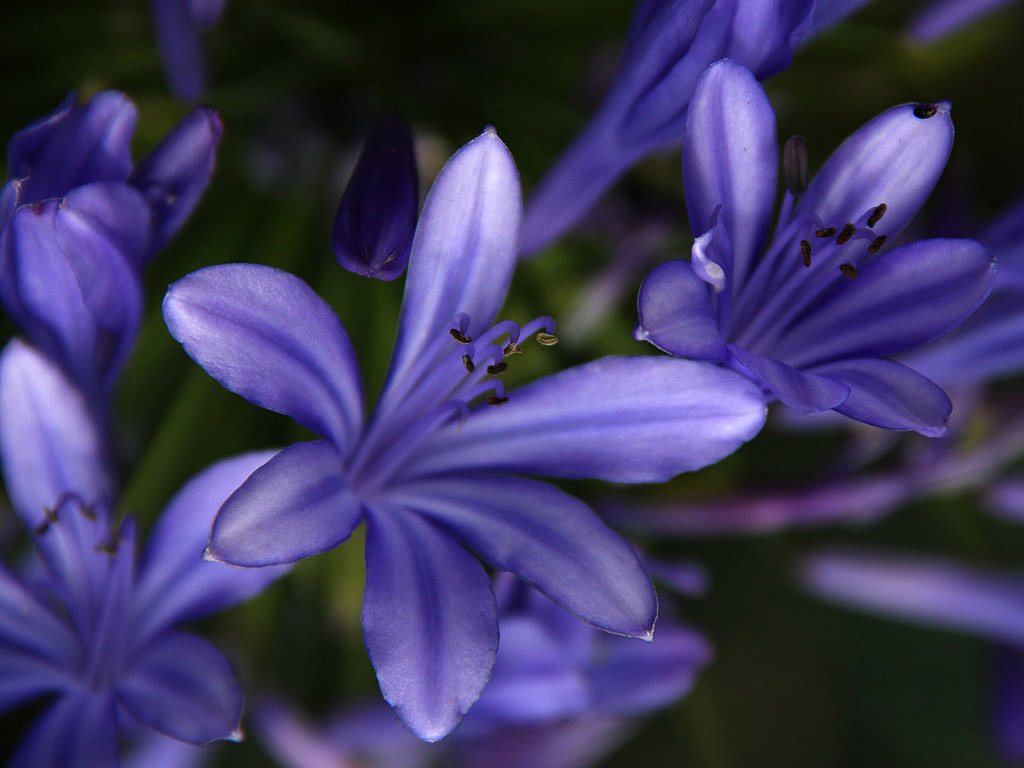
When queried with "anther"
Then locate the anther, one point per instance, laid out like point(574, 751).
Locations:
point(876, 244)
point(459, 336)
point(107, 547)
point(511, 349)
point(42, 528)
point(924, 111)
point(877, 215)
point(846, 234)
point(468, 362)
point(849, 270)
point(50, 515)
point(497, 368)
point(826, 232)
point(805, 252)
point(794, 165)
point(546, 339)
point(87, 513)
point(495, 400)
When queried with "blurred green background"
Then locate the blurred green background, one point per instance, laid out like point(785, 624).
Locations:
point(298, 82)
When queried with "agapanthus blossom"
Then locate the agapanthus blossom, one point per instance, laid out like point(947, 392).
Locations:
point(429, 471)
point(814, 312)
point(92, 620)
point(78, 221)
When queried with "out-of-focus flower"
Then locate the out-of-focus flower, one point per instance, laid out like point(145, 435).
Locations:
point(377, 215)
point(814, 319)
point(179, 25)
point(77, 222)
point(944, 17)
point(670, 43)
point(562, 694)
point(90, 620)
point(428, 471)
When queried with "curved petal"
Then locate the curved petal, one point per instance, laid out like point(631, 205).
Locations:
point(765, 35)
point(889, 395)
point(547, 537)
point(804, 391)
point(174, 582)
point(429, 621)
point(183, 687)
point(80, 729)
point(294, 506)
point(925, 590)
point(29, 629)
point(895, 159)
point(50, 443)
point(181, 50)
point(174, 175)
point(675, 314)
point(265, 335)
point(73, 146)
point(901, 300)
point(464, 249)
point(730, 159)
point(626, 419)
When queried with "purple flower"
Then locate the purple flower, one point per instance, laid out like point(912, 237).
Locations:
point(813, 313)
point(429, 471)
point(670, 43)
point(77, 222)
point(377, 215)
point(179, 25)
point(942, 18)
point(92, 620)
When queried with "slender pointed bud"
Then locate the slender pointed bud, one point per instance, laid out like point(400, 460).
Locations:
point(377, 215)
point(794, 165)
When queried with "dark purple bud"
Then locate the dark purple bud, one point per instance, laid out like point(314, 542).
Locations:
point(377, 215)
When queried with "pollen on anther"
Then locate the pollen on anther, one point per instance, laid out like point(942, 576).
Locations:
point(511, 349)
point(849, 270)
point(876, 244)
point(805, 252)
point(495, 400)
point(877, 215)
point(846, 234)
point(826, 232)
point(468, 362)
point(546, 339)
point(459, 336)
point(497, 368)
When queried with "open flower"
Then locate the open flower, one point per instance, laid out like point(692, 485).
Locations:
point(813, 313)
point(428, 472)
point(91, 619)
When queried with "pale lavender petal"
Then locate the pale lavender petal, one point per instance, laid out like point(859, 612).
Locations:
point(154, 750)
point(183, 687)
point(807, 392)
point(675, 314)
point(28, 629)
point(940, 18)
point(730, 159)
point(626, 419)
point(464, 250)
point(887, 394)
point(901, 300)
point(924, 590)
point(80, 729)
point(294, 506)
point(765, 33)
point(174, 582)
point(895, 159)
point(429, 622)
point(295, 743)
point(547, 537)
point(73, 146)
point(265, 335)
point(634, 678)
point(25, 676)
point(181, 50)
point(174, 175)
point(50, 443)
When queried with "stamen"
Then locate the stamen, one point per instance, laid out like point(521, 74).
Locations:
point(495, 400)
point(511, 349)
point(459, 336)
point(924, 111)
point(876, 244)
point(546, 339)
point(805, 252)
point(468, 362)
point(849, 270)
point(826, 232)
point(846, 234)
point(877, 215)
point(497, 368)
point(50, 514)
point(42, 528)
point(794, 165)
point(107, 547)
